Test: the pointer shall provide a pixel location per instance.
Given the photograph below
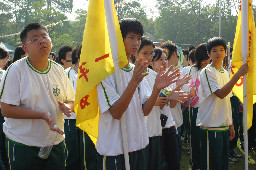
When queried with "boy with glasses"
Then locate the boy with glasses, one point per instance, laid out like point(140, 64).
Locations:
point(35, 95)
point(65, 57)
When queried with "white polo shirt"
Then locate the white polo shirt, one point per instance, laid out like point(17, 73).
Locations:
point(72, 76)
point(213, 111)
point(109, 141)
point(152, 121)
point(25, 86)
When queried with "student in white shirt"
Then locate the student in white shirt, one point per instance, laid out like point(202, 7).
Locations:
point(4, 55)
point(214, 114)
point(35, 95)
point(135, 102)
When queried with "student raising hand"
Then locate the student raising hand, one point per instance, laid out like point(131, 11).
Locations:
point(164, 78)
point(139, 69)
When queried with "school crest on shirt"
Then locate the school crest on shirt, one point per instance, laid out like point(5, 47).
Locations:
point(55, 90)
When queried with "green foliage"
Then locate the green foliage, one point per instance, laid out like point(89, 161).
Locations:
point(184, 22)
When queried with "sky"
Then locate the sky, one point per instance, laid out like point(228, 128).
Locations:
point(78, 4)
point(149, 6)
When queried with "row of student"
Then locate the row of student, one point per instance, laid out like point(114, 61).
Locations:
point(211, 119)
point(136, 101)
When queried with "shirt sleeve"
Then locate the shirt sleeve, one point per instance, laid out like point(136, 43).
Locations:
point(70, 93)
point(107, 94)
point(208, 81)
point(10, 89)
point(145, 91)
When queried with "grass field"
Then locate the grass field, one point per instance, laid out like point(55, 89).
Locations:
point(185, 164)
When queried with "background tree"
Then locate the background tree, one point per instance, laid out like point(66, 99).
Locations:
point(184, 22)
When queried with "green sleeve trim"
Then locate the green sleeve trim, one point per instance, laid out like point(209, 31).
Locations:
point(190, 71)
point(106, 95)
point(208, 81)
point(69, 72)
point(2, 91)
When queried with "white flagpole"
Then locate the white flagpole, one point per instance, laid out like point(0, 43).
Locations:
point(114, 51)
point(244, 9)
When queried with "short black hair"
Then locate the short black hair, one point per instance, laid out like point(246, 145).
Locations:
point(76, 54)
point(201, 54)
point(3, 53)
point(146, 41)
point(54, 55)
point(191, 47)
point(29, 27)
point(191, 56)
point(157, 53)
point(216, 41)
point(170, 47)
point(62, 53)
point(128, 25)
point(18, 53)
point(185, 52)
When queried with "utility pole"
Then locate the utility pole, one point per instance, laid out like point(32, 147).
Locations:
point(219, 18)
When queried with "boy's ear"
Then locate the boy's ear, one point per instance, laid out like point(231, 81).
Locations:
point(24, 47)
point(63, 61)
point(208, 54)
point(151, 63)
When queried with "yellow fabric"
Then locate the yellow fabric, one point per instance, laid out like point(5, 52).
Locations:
point(251, 59)
point(95, 65)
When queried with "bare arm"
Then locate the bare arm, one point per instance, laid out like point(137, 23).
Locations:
point(120, 106)
point(148, 105)
point(163, 79)
point(226, 89)
point(17, 112)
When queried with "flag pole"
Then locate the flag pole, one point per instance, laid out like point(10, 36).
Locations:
point(244, 27)
point(114, 50)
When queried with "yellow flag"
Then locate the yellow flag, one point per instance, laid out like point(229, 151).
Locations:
point(95, 65)
point(251, 59)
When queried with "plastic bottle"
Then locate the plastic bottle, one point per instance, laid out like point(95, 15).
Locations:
point(46, 150)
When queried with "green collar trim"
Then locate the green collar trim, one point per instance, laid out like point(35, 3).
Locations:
point(36, 70)
point(128, 68)
point(147, 70)
point(221, 71)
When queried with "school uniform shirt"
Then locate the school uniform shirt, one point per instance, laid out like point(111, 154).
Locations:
point(213, 111)
point(166, 110)
point(72, 76)
point(176, 111)
point(109, 142)
point(1, 76)
point(177, 114)
point(152, 121)
point(27, 87)
point(193, 86)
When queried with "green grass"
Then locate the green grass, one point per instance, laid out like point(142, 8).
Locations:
point(185, 164)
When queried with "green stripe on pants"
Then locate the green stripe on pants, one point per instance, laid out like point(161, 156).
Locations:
point(218, 150)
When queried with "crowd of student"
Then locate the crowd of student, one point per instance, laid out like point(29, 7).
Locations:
point(161, 102)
